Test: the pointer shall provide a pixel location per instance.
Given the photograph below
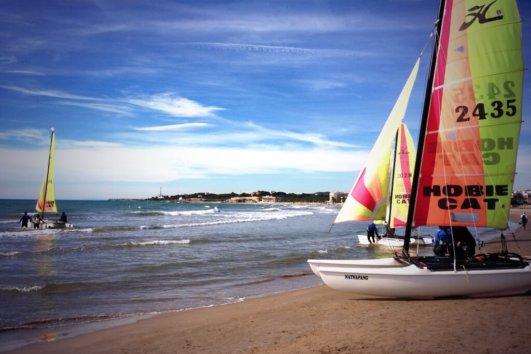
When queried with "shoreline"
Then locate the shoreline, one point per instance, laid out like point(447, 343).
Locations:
point(321, 320)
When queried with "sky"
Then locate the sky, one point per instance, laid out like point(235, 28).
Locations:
point(208, 96)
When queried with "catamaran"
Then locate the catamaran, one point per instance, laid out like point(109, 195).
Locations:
point(465, 162)
point(46, 203)
point(381, 191)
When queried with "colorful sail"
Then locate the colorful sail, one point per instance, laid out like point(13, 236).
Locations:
point(470, 144)
point(368, 198)
point(402, 178)
point(46, 201)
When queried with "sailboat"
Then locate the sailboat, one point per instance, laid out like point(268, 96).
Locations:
point(465, 162)
point(399, 181)
point(46, 203)
point(381, 191)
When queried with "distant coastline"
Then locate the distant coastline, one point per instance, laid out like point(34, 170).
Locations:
point(250, 198)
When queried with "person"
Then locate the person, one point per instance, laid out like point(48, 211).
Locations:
point(389, 231)
point(464, 243)
point(24, 219)
point(36, 221)
point(523, 219)
point(371, 231)
point(442, 240)
point(63, 218)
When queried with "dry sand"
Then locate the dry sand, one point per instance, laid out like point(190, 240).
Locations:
point(321, 320)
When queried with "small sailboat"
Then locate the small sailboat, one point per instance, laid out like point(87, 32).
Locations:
point(465, 162)
point(46, 203)
point(381, 191)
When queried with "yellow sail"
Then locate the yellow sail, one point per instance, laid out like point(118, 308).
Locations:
point(46, 201)
point(368, 198)
point(402, 177)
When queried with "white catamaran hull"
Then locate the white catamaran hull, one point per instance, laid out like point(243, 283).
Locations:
point(390, 278)
point(393, 242)
point(55, 225)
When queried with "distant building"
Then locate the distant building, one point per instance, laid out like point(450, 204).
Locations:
point(337, 197)
point(269, 199)
point(244, 200)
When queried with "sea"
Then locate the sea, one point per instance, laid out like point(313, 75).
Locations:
point(127, 259)
point(130, 259)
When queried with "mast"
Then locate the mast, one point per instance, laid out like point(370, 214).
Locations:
point(391, 182)
point(422, 132)
point(47, 175)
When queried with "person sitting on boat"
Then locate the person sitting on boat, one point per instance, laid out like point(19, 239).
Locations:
point(464, 243)
point(36, 221)
point(442, 240)
point(389, 231)
point(63, 218)
point(24, 219)
point(371, 231)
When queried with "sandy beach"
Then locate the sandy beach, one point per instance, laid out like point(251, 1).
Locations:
point(321, 320)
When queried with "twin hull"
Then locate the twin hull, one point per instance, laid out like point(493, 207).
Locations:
point(388, 277)
point(395, 242)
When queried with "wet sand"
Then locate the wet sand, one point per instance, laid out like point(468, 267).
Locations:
point(321, 320)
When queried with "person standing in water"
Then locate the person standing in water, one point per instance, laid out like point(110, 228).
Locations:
point(24, 220)
point(371, 231)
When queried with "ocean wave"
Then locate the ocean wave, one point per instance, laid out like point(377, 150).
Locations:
point(103, 246)
point(205, 211)
point(155, 243)
point(9, 254)
point(237, 219)
point(28, 232)
point(53, 322)
point(191, 212)
point(112, 228)
point(22, 289)
point(272, 209)
point(129, 244)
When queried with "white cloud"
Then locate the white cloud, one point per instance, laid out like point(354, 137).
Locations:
point(176, 106)
point(48, 93)
point(164, 164)
point(173, 127)
point(311, 52)
point(113, 108)
point(30, 135)
point(317, 139)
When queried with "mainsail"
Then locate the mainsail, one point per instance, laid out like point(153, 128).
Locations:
point(46, 201)
point(368, 198)
point(469, 148)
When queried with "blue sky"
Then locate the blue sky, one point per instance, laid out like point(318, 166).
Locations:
point(217, 96)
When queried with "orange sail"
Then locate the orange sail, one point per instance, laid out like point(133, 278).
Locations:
point(470, 144)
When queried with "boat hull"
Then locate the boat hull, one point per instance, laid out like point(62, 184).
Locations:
point(56, 225)
point(391, 278)
point(395, 242)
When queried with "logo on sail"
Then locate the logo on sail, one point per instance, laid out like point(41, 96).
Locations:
point(480, 13)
